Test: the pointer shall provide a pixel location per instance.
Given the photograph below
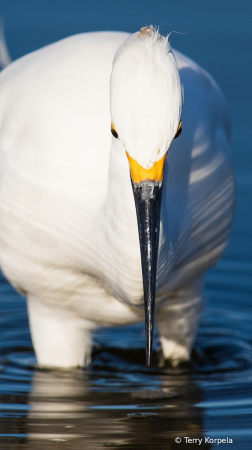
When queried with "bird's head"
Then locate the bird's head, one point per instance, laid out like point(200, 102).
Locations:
point(146, 103)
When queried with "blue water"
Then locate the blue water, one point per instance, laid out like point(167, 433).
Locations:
point(118, 403)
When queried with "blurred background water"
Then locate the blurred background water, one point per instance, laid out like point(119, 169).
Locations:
point(117, 402)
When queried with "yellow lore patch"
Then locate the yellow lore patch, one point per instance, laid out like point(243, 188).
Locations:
point(113, 130)
point(138, 173)
point(179, 130)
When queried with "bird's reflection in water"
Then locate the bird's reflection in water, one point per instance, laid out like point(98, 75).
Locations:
point(115, 403)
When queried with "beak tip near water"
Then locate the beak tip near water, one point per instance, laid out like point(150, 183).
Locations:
point(149, 353)
point(147, 195)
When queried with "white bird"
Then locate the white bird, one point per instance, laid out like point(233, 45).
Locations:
point(75, 200)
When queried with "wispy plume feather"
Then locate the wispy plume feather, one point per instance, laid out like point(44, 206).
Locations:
point(5, 58)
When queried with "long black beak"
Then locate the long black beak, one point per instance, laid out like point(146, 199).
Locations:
point(148, 196)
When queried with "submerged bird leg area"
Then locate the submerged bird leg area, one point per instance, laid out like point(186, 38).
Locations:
point(148, 196)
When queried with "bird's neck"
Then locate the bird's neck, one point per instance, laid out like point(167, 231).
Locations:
point(119, 228)
point(120, 205)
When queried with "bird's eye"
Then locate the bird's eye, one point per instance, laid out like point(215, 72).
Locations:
point(113, 130)
point(179, 130)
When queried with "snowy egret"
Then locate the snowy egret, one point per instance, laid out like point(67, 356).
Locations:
point(75, 201)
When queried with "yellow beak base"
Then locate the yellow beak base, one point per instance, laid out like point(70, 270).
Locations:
point(138, 173)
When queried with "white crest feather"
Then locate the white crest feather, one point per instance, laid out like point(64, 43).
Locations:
point(146, 98)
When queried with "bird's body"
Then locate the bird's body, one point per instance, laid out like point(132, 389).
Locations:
point(68, 227)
